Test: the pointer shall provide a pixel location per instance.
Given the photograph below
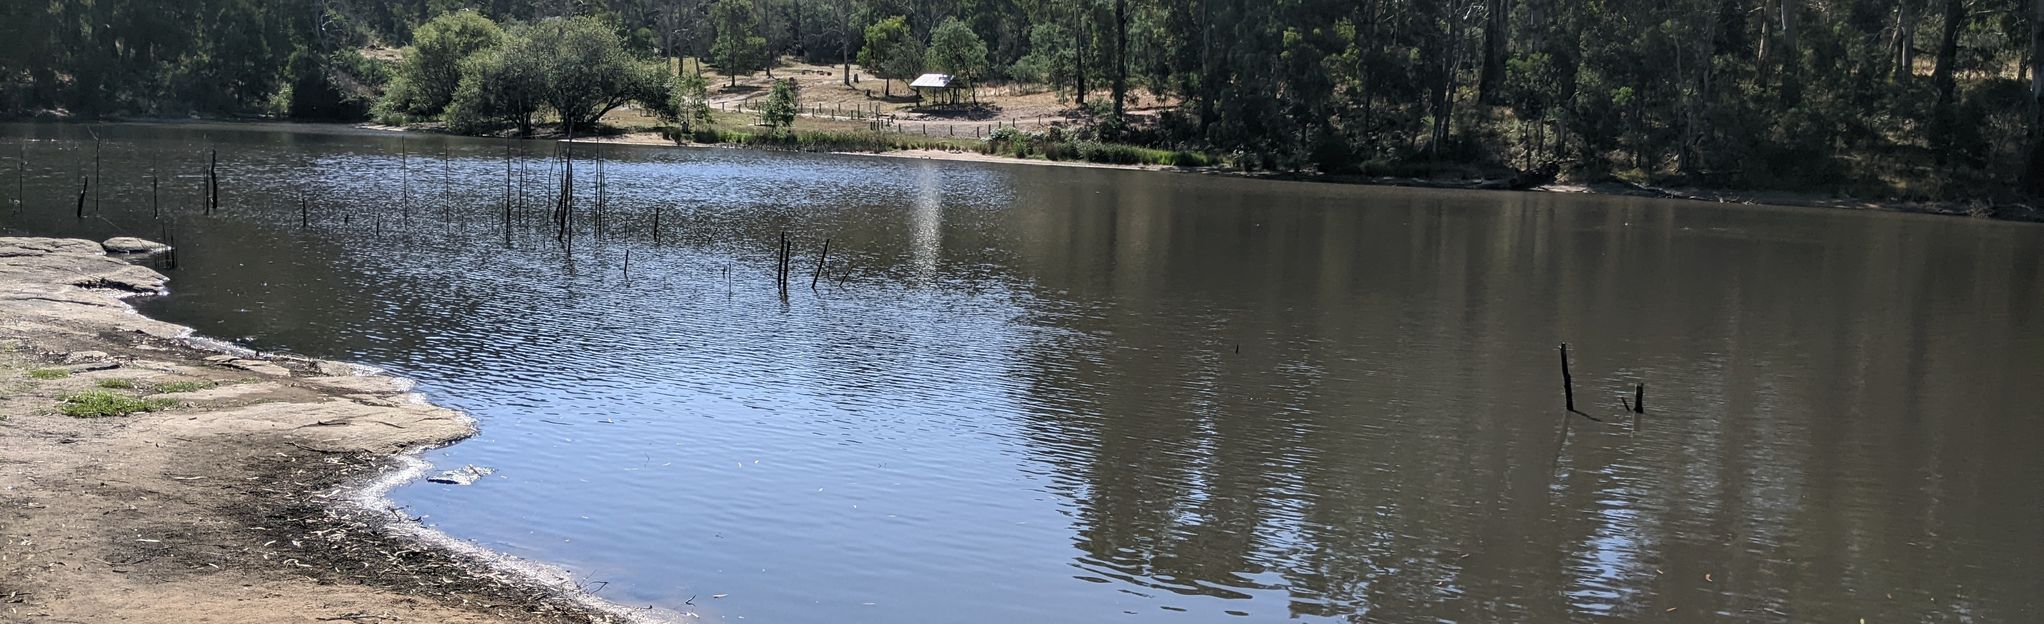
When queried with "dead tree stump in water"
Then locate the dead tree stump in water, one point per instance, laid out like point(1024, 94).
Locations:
point(1568, 382)
point(95, 170)
point(781, 262)
point(213, 183)
point(819, 264)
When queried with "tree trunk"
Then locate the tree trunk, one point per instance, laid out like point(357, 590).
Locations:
point(1079, 51)
point(1444, 90)
point(1490, 84)
point(1948, 51)
point(2034, 173)
point(1791, 54)
point(1206, 67)
point(801, 49)
point(844, 44)
point(1120, 55)
point(1942, 79)
point(1765, 56)
point(1790, 12)
point(1907, 14)
point(1689, 156)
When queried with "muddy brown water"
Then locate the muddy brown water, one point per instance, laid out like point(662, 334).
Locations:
point(1026, 394)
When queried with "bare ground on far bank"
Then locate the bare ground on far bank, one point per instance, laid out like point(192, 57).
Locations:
point(229, 501)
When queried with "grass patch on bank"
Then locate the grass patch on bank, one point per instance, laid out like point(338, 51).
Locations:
point(1007, 143)
point(104, 404)
point(47, 374)
point(117, 384)
point(1058, 145)
point(810, 140)
point(184, 386)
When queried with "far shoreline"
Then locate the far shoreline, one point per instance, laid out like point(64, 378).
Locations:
point(2012, 212)
point(2007, 212)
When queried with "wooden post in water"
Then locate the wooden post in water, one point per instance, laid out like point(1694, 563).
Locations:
point(1639, 398)
point(628, 267)
point(304, 212)
point(820, 259)
point(781, 263)
point(446, 181)
point(602, 199)
point(656, 224)
point(404, 177)
point(83, 184)
point(170, 257)
point(1568, 382)
point(564, 208)
point(523, 216)
point(507, 193)
point(95, 171)
point(213, 183)
point(155, 201)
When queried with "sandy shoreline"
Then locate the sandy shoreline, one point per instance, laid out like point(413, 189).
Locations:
point(255, 494)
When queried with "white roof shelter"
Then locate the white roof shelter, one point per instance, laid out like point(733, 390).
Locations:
point(931, 81)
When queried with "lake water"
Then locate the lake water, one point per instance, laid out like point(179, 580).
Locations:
point(1029, 394)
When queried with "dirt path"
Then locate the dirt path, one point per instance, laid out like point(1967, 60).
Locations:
point(825, 96)
point(238, 499)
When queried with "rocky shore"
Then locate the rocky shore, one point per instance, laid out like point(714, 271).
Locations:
point(145, 477)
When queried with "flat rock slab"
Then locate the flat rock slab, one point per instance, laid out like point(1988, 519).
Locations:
point(81, 357)
point(53, 283)
point(266, 391)
point(92, 366)
point(132, 245)
point(361, 384)
point(254, 366)
point(343, 426)
point(34, 246)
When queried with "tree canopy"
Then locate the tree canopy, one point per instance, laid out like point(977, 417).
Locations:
point(425, 82)
point(892, 51)
point(576, 68)
point(739, 49)
point(956, 50)
point(781, 107)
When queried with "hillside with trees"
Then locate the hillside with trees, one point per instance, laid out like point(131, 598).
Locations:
point(1894, 98)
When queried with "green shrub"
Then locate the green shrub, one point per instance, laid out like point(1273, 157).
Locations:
point(102, 404)
point(782, 106)
point(808, 140)
point(184, 386)
point(1056, 145)
point(424, 83)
